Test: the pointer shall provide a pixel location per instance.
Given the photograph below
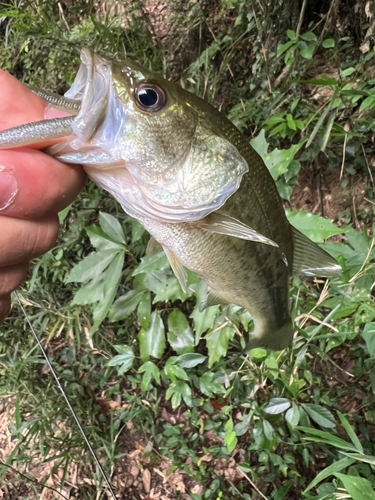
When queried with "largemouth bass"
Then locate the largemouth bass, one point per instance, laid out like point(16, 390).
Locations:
point(191, 179)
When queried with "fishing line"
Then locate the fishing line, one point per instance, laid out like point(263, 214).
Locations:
point(67, 400)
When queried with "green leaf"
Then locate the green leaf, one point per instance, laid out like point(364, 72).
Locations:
point(318, 124)
point(292, 415)
point(112, 227)
point(347, 72)
point(242, 427)
point(100, 240)
point(125, 358)
point(367, 459)
point(189, 360)
point(350, 432)
point(320, 415)
point(63, 214)
point(137, 230)
point(144, 311)
point(368, 335)
point(313, 226)
point(163, 283)
point(174, 371)
point(328, 438)
point(208, 385)
point(68, 355)
point(278, 160)
point(277, 405)
point(230, 440)
point(90, 293)
point(328, 471)
point(283, 48)
point(217, 343)
point(268, 430)
point(357, 487)
point(152, 340)
point(290, 122)
point(310, 37)
point(291, 35)
point(366, 103)
point(168, 288)
point(178, 390)
point(324, 80)
point(308, 51)
point(91, 266)
point(125, 305)
point(150, 371)
point(180, 335)
point(157, 262)
point(328, 43)
point(110, 285)
point(203, 320)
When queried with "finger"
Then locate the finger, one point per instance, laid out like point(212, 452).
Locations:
point(11, 277)
point(19, 105)
point(23, 240)
point(32, 184)
point(4, 307)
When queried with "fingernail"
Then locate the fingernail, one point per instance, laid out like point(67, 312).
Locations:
point(8, 189)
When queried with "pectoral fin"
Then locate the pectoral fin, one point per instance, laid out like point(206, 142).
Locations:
point(153, 247)
point(212, 300)
point(311, 260)
point(177, 268)
point(224, 224)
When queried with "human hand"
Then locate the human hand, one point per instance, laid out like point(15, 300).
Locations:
point(33, 188)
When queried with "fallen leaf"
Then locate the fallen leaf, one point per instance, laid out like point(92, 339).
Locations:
point(146, 480)
point(139, 447)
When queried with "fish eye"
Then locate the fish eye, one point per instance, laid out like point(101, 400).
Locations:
point(150, 97)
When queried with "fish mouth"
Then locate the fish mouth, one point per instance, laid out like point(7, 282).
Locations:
point(101, 119)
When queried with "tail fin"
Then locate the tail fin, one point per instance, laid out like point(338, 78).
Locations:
point(272, 338)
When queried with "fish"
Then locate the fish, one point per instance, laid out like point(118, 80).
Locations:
point(192, 180)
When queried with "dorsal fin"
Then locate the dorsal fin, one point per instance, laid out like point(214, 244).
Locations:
point(311, 260)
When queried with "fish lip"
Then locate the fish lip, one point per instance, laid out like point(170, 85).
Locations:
point(101, 118)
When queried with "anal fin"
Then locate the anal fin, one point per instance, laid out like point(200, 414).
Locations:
point(212, 300)
point(310, 260)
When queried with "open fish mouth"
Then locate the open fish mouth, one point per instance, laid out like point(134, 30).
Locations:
point(101, 119)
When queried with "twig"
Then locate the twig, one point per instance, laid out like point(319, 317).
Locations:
point(325, 25)
point(308, 316)
point(343, 156)
point(287, 69)
point(364, 262)
point(356, 222)
point(301, 16)
point(252, 484)
point(327, 358)
point(263, 52)
point(368, 166)
point(63, 17)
